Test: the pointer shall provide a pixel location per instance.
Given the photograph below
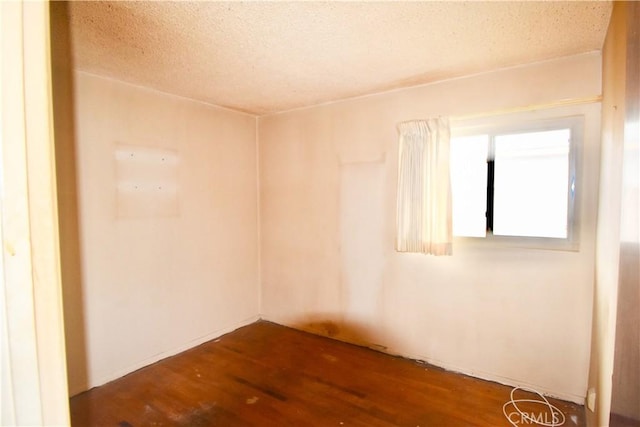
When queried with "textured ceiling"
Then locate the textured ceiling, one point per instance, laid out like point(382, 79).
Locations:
point(265, 57)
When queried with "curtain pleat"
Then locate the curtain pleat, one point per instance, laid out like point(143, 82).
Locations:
point(424, 190)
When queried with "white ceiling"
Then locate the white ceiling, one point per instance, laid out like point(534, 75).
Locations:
point(265, 57)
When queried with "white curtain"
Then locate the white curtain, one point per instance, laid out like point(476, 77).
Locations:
point(424, 190)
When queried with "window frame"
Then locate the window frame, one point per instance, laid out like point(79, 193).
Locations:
point(524, 123)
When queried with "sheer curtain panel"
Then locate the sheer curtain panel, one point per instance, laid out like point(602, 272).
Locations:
point(423, 216)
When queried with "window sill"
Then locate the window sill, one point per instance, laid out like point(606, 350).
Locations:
point(507, 242)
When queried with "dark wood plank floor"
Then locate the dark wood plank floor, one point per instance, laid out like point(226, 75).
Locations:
point(269, 375)
point(621, 421)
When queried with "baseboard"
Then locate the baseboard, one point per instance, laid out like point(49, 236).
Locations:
point(579, 399)
point(488, 376)
point(511, 382)
point(163, 355)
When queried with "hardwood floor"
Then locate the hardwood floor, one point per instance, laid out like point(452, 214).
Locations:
point(620, 421)
point(270, 375)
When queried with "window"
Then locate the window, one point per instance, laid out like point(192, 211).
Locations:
point(516, 184)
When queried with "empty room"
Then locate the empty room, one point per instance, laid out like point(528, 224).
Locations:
point(320, 213)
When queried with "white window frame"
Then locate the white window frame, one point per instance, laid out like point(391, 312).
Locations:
point(532, 122)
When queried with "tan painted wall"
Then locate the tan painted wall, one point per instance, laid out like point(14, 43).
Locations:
point(155, 282)
point(626, 365)
point(616, 286)
point(615, 366)
point(327, 191)
point(65, 150)
point(608, 249)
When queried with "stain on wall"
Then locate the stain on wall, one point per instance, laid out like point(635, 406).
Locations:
point(327, 203)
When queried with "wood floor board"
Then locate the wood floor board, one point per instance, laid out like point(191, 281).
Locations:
point(270, 375)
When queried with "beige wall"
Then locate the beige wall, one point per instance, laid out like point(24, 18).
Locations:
point(65, 150)
point(608, 239)
point(626, 366)
point(615, 375)
point(155, 282)
point(327, 202)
